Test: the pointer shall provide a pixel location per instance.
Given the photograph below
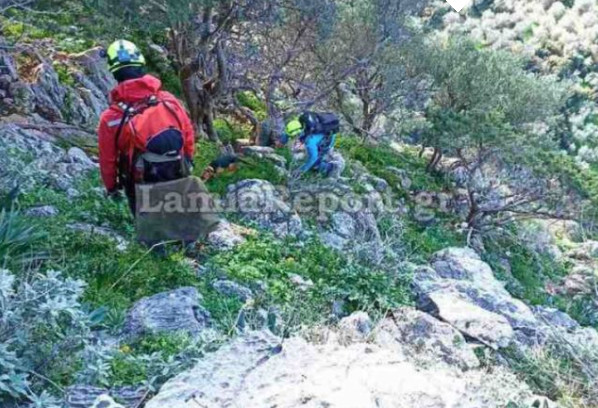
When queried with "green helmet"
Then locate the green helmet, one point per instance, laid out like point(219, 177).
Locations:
point(123, 53)
point(294, 128)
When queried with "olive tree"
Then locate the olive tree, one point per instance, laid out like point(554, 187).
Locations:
point(491, 115)
point(360, 59)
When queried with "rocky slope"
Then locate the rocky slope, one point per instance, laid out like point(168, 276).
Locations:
point(455, 349)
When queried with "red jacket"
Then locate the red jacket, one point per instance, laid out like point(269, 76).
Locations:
point(131, 92)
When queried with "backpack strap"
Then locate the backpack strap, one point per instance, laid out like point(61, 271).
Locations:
point(127, 113)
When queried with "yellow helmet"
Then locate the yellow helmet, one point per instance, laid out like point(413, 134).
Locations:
point(123, 53)
point(294, 128)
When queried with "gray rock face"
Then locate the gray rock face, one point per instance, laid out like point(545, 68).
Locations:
point(255, 371)
point(258, 201)
point(355, 328)
point(461, 289)
point(233, 289)
point(487, 327)
point(78, 156)
point(353, 231)
point(29, 157)
point(86, 397)
point(426, 339)
point(461, 273)
point(179, 310)
point(378, 183)
point(43, 93)
point(555, 318)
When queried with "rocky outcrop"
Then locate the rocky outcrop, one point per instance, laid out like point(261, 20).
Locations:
point(487, 327)
point(226, 236)
point(76, 94)
point(459, 275)
point(179, 310)
point(232, 289)
point(29, 156)
point(425, 339)
point(258, 371)
point(258, 202)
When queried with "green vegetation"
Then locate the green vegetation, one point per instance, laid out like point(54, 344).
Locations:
point(530, 272)
point(230, 130)
point(561, 373)
point(377, 159)
point(250, 100)
point(252, 169)
point(334, 277)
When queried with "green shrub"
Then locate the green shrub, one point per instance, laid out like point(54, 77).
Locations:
point(529, 272)
point(377, 159)
point(42, 330)
point(229, 131)
point(334, 277)
point(17, 238)
point(250, 100)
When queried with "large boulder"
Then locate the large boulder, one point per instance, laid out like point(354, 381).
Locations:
point(461, 273)
point(487, 327)
point(426, 339)
point(259, 202)
point(176, 311)
point(259, 371)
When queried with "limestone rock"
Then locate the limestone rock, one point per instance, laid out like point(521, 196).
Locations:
point(76, 155)
point(256, 371)
point(426, 339)
point(355, 328)
point(487, 327)
point(459, 271)
point(226, 236)
point(258, 201)
point(178, 310)
point(555, 318)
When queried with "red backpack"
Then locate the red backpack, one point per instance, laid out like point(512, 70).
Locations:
point(154, 142)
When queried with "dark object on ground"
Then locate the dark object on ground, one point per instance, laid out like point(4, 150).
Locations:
point(224, 163)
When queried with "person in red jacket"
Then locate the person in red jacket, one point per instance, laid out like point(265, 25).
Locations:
point(146, 134)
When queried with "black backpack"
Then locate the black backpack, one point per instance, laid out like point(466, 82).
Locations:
point(327, 124)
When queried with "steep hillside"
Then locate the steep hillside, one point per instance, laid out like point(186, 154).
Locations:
point(450, 262)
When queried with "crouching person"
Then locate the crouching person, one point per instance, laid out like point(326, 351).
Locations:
point(146, 139)
point(317, 132)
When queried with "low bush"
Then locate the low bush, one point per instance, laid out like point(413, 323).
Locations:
point(377, 159)
point(42, 330)
point(561, 372)
point(334, 278)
